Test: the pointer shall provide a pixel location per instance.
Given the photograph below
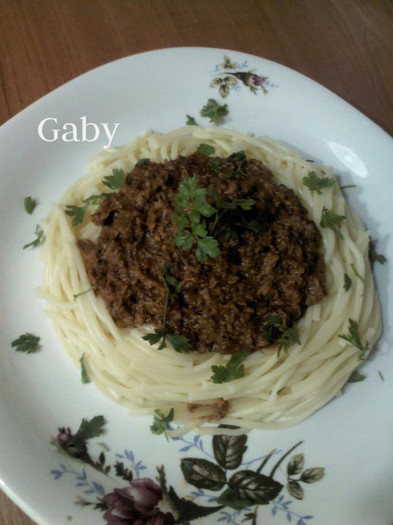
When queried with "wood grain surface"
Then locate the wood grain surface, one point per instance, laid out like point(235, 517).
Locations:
point(346, 45)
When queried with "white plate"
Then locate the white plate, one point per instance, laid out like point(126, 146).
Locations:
point(351, 437)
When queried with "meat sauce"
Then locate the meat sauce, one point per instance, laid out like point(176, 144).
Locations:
point(270, 269)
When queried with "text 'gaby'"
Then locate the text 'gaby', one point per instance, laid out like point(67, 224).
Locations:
point(81, 132)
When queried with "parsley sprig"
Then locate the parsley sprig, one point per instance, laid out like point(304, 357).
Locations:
point(40, 237)
point(78, 212)
point(84, 375)
point(116, 180)
point(206, 149)
point(113, 182)
point(234, 369)
point(374, 256)
point(191, 212)
point(190, 121)
point(214, 111)
point(330, 219)
point(161, 422)
point(161, 336)
point(29, 204)
point(191, 208)
point(289, 337)
point(354, 339)
point(316, 183)
point(27, 343)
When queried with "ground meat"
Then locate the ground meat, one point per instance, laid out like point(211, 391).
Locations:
point(210, 411)
point(270, 268)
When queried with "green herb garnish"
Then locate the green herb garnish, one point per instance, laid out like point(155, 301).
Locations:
point(27, 343)
point(206, 149)
point(38, 240)
point(356, 377)
point(331, 220)
point(316, 183)
point(116, 180)
point(161, 422)
point(78, 212)
point(270, 330)
point(347, 282)
point(214, 111)
point(238, 156)
point(191, 207)
point(354, 339)
point(348, 186)
point(374, 256)
point(234, 369)
point(215, 164)
point(84, 375)
point(288, 338)
point(381, 375)
point(191, 121)
point(180, 343)
point(92, 288)
point(142, 162)
point(29, 204)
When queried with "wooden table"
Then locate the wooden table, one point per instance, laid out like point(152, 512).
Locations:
point(346, 45)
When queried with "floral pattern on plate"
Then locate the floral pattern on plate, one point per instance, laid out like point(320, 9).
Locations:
point(223, 480)
point(231, 76)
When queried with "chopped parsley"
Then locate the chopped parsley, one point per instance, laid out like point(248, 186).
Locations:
point(381, 375)
point(234, 369)
point(142, 162)
point(354, 339)
point(180, 343)
point(347, 282)
point(113, 182)
point(214, 111)
point(29, 204)
point(239, 157)
point(116, 180)
point(39, 232)
point(215, 164)
point(356, 377)
point(191, 212)
point(316, 183)
point(206, 149)
point(161, 422)
point(160, 336)
point(78, 212)
point(374, 256)
point(27, 343)
point(92, 288)
point(84, 375)
point(330, 219)
point(191, 208)
point(191, 121)
point(289, 338)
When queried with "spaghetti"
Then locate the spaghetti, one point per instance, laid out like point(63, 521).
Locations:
point(277, 390)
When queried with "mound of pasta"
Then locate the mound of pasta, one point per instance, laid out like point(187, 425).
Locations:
point(131, 293)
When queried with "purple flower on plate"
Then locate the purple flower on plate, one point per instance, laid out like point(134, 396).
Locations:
point(136, 504)
point(251, 80)
point(257, 80)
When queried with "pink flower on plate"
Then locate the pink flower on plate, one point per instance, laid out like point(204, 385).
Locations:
point(136, 504)
point(257, 80)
